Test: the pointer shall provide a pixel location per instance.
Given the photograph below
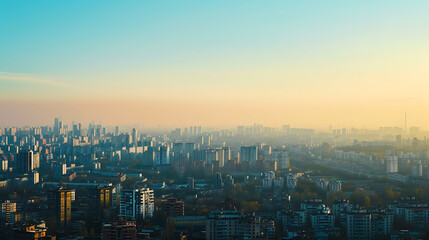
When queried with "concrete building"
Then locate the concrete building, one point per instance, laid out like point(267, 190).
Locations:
point(368, 224)
point(335, 186)
point(291, 181)
point(226, 225)
point(7, 208)
point(291, 219)
point(391, 164)
point(339, 206)
point(278, 183)
point(249, 154)
point(191, 183)
point(417, 169)
point(36, 160)
point(120, 229)
point(24, 162)
point(322, 221)
point(359, 225)
point(173, 208)
point(136, 203)
point(60, 204)
point(281, 156)
point(417, 216)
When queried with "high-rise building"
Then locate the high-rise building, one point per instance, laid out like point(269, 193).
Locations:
point(24, 161)
point(60, 207)
point(157, 156)
point(134, 136)
point(391, 164)
point(220, 156)
point(218, 182)
point(4, 165)
point(33, 177)
point(164, 152)
point(191, 183)
point(58, 126)
point(7, 208)
point(189, 147)
point(291, 181)
point(59, 169)
point(177, 147)
point(137, 203)
point(75, 131)
point(117, 131)
point(249, 154)
point(417, 169)
point(36, 160)
point(102, 198)
point(211, 156)
point(226, 154)
point(281, 156)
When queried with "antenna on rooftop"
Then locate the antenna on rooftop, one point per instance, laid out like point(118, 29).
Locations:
point(405, 123)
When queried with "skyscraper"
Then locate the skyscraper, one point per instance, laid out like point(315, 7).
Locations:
point(134, 136)
point(117, 131)
point(58, 126)
point(164, 152)
point(24, 162)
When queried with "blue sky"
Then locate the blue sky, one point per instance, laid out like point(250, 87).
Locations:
point(89, 37)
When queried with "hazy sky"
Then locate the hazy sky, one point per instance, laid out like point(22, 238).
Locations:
point(218, 63)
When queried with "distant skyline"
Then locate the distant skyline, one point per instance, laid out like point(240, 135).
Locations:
point(221, 63)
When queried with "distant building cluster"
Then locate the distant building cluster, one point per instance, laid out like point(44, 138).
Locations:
point(250, 182)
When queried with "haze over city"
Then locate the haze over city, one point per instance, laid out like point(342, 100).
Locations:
point(214, 120)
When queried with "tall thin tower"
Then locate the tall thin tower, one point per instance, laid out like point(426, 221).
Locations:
point(405, 124)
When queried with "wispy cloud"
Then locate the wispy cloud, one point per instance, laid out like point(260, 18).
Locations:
point(30, 78)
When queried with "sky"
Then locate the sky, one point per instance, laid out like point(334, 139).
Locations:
point(215, 63)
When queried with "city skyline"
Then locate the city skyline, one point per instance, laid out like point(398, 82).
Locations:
point(405, 129)
point(219, 63)
point(208, 120)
